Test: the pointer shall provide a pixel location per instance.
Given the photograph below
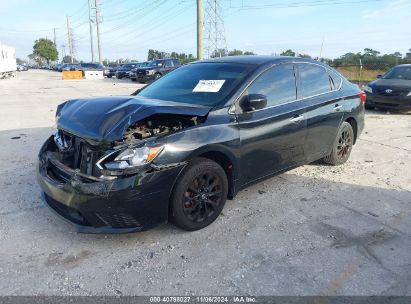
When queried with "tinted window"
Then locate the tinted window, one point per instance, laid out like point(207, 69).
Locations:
point(278, 84)
point(168, 64)
point(200, 83)
point(314, 80)
point(335, 79)
point(176, 62)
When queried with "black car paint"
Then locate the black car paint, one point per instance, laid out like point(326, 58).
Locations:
point(250, 146)
point(396, 96)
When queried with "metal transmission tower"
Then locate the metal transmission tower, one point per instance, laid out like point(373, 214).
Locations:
point(214, 31)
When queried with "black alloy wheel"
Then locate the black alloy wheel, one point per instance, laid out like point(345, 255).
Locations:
point(199, 195)
point(342, 146)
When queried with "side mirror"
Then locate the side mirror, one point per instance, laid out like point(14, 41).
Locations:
point(379, 76)
point(253, 102)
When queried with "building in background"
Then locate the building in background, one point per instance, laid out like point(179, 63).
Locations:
point(7, 61)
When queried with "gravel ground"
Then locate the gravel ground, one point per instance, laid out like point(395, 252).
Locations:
point(315, 230)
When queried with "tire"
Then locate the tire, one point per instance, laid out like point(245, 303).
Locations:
point(192, 206)
point(119, 77)
point(368, 107)
point(109, 76)
point(342, 145)
point(157, 76)
point(133, 79)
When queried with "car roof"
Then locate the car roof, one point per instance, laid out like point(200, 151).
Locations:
point(257, 59)
point(403, 65)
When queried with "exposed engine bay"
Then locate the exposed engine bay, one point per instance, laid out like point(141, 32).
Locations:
point(157, 125)
point(76, 153)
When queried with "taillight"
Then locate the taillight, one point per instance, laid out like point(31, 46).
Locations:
point(363, 96)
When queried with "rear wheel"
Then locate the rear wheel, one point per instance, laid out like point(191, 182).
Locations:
point(199, 195)
point(342, 145)
point(119, 77)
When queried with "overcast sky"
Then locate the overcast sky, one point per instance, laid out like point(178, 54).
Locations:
point(130, 27)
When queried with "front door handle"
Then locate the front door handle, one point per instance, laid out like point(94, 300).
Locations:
point(297, 118)
point(337, 108)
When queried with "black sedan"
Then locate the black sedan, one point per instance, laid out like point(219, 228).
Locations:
point(182, 145)
point(391, 90)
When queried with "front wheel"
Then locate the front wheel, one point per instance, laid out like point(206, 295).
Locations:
point(157, 76)
point(342, 145)
point(199, 195)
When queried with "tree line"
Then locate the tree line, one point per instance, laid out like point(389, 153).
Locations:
point(44, 51)
point(369, 58)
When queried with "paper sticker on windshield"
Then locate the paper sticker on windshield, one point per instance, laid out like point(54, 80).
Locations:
point(212, 86)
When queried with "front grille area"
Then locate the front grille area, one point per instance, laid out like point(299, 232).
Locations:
point(119, 220)
point(395, 92)
point(79, 155)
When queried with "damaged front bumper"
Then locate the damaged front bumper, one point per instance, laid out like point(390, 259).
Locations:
point(106, 204)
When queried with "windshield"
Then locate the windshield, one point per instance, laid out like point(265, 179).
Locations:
point(398, 73)
point(205, 84)
point(154, 63)
point(127, 66)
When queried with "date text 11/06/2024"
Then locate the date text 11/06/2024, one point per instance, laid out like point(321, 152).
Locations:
point(203, 299)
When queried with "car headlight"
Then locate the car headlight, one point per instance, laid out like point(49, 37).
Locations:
point(129, 158)
point(368, 89)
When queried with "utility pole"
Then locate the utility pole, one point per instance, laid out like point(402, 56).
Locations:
point(63, 52)
point(100, 57)
point(91, 31)
point(69, 40)
point(199, 29)
point(55, 40)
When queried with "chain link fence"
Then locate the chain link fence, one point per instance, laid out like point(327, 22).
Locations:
point(362, 73)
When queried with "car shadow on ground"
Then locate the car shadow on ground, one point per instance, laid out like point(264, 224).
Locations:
point(334, 235)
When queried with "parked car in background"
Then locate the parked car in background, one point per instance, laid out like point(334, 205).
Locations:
point(133, 72)
point(391, 90)
point(156, 68)
point(123, 71)
point(112, 71)
point(22, 67)
point(61, 67)
point(92, 67)
point(70, 67)
point(194, 137)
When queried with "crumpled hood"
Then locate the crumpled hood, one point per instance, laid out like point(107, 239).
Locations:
point(105, 119)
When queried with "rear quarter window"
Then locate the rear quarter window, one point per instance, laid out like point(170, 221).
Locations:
point(314, 79)
point(336, 80)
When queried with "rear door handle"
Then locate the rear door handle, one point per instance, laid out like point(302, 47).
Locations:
point(297, 118)
point(337, 108)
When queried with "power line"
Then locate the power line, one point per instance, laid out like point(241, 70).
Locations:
point(300, 4)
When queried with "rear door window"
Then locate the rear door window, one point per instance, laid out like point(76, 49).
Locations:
point(314, 79)
point(277, 84)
